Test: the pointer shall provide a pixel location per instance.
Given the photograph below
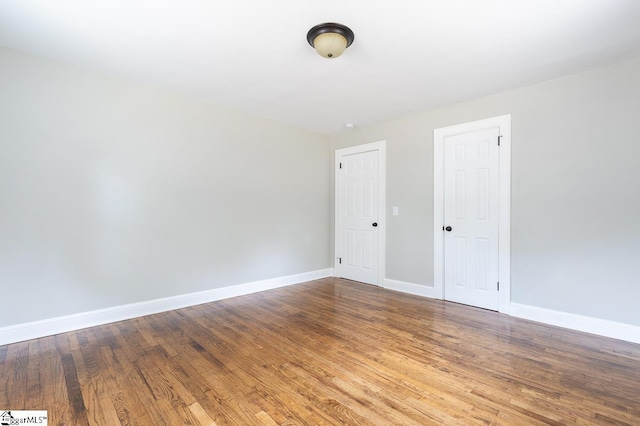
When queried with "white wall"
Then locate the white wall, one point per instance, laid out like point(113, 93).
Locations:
point(575, 190)
point(114, 193)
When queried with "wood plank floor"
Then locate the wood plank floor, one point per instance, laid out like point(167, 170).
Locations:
point(325, 352)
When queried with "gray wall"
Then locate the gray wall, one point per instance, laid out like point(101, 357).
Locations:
point(113, 193)
point(575, 190)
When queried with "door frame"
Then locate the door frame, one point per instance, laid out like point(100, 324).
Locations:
point(381, 147)
point(503, 122)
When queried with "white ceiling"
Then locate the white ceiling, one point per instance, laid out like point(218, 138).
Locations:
point(408, 55)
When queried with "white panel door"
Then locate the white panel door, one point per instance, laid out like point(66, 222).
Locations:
point(358, 217)
point(471, 201)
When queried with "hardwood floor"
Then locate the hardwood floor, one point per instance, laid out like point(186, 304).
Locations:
point(325, 352)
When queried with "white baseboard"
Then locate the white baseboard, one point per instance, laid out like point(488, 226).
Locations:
point(36, 329)
point(48, 327)
point(411, 288)
point(616, 330)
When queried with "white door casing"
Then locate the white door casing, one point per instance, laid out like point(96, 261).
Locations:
point(472, 195)
point(360, 213)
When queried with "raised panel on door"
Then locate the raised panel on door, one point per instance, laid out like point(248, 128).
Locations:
point(459, 261)
point(350, 251)
point(471, 210)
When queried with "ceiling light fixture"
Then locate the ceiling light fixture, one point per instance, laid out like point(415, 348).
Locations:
point(330, 39)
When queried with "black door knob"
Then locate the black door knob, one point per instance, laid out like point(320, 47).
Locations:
point(448, 228)
point(374, 224)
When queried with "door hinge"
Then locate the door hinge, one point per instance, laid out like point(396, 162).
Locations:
point(340, 165)
point(340, 260)
point(499, 139)
point(498, 285)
